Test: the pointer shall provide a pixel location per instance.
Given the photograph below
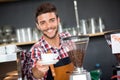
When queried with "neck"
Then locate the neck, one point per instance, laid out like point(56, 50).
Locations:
point(54, 42)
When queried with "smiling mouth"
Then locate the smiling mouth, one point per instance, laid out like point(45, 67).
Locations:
point(50, 30)
point(50, 33)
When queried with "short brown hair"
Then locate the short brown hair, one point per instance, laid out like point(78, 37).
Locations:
point(45, 8)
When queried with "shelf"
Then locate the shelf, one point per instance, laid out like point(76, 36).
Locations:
point(20, 43)
point(25, 43)
point(96, 34)
point(102, 33)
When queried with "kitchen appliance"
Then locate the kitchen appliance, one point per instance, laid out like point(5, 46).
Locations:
point(116, 68)
point(76, 47)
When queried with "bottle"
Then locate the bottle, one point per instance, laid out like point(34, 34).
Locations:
point(96, 74)
point(98, 69)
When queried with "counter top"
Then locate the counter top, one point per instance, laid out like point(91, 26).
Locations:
point(8, 57)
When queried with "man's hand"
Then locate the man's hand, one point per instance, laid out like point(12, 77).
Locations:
point(40, 70)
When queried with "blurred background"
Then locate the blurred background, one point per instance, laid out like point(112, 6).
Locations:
point(20, 14)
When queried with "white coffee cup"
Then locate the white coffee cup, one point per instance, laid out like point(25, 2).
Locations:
point(49, 57)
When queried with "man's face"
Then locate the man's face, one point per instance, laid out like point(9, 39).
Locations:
point(48, 24)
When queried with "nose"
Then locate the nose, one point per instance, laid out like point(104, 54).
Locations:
point(48, 25)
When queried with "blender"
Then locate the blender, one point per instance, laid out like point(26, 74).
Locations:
point(76, 47)
point(116, 68)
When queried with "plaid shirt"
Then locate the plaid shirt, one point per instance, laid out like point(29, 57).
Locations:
point(42, 47)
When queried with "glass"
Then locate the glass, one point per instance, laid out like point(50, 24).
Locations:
point(92, 25)
point(76, 47)
point(83, 26)
point(101, 26)
point(108, 39)
point(95, 25)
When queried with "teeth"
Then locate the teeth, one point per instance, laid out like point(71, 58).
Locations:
point(50, 30)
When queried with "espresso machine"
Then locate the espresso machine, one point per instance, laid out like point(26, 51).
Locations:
point(76, 47)
point(116, 67)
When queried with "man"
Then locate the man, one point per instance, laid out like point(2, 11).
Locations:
point(47, 22)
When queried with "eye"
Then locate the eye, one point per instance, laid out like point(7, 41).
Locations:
point(42, 23)
point(52, 20)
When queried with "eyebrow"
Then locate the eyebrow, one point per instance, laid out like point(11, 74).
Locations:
point(52, 18)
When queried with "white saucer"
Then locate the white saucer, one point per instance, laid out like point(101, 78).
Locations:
point(49, 62)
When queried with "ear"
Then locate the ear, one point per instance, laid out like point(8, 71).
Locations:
point(58, 20)
point(38, 26)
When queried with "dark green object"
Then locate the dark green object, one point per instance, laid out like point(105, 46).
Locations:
point(95, 74)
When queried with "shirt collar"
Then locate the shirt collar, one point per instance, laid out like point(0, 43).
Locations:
point(49, 46)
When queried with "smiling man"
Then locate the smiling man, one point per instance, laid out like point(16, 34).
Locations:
point(47, 21)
